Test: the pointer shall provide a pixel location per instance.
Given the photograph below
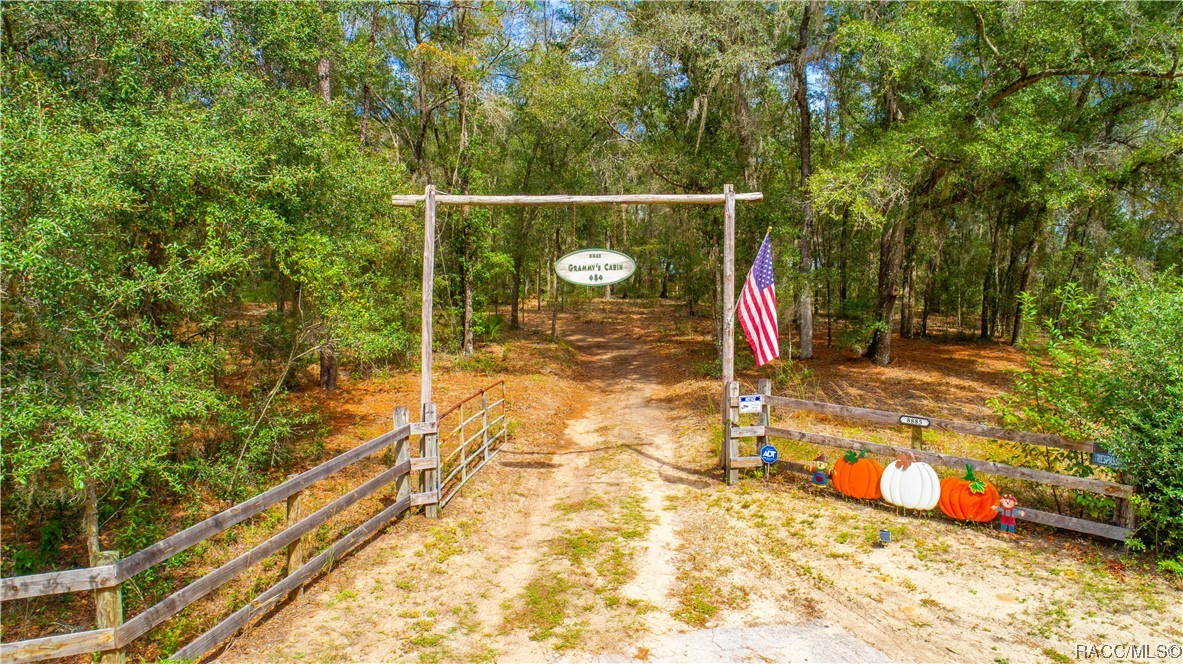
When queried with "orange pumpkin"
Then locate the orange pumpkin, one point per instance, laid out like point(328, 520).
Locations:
point(857, 476)
point(967, 498)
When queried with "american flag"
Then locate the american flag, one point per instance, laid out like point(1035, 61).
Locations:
point(757, 307)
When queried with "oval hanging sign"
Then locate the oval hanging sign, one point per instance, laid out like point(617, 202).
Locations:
point(595, 267)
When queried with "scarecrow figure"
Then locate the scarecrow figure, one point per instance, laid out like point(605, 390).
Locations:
point(1006, 514)
point(819, 467)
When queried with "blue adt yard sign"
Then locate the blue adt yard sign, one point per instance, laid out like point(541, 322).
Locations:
point(768, 454)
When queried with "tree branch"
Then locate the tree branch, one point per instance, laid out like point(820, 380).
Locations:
point(1028, 80)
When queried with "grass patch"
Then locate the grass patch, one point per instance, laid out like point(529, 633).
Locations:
point(567, 509)
point(696, 604)
point(542, 606)
point(444, 539)
point(632, 520)
point(616, 568)
point(1056, 655)
point(580, 545)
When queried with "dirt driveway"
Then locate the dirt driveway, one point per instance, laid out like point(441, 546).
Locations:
point(610, 538)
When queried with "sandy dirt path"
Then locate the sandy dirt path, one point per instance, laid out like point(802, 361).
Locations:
point(602, 533)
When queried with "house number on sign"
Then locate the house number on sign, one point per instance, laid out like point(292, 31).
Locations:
point(914, 421)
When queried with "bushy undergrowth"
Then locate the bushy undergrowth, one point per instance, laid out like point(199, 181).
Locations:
point(1112, 371)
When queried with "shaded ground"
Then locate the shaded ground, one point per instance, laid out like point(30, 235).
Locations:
point(602, 533)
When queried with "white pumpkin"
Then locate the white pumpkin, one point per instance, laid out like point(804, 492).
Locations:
point(911, 484)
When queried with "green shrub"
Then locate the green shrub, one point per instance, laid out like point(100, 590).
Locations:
point(1115, 376)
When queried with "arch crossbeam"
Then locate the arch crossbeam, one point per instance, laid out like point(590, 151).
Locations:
point(563, 199)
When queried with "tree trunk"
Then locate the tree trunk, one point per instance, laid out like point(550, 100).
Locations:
point(469, 346)
point(990, 277)
point(367, 93)
point(804, 297)
point(280, 286)
point(891, 251)
point(328, 357)
point(322, 79)
point(328, 367)
point(515, 292)
point(934, 268)
point(843, 279)
point(90, 522)
point(554, 300)
point(907, 308)
point(1005, 291)
point(1025, 279)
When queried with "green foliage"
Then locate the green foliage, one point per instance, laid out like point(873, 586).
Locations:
point(1119, 382)
point(153, 173)
point(1144, 396)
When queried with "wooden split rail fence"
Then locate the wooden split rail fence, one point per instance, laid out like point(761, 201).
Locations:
point(112, 635)
point(764, 430)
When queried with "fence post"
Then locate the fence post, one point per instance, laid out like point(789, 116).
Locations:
point(402, 453)
point(1123, 511)
point(485, 424)
point(295, 557)
point(764, 387)
point(108, 607)
point(727, 359)
point(429, 448)
point(918, 438)
point(730, 416)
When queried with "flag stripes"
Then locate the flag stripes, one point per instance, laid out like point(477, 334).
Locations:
point(757, 307)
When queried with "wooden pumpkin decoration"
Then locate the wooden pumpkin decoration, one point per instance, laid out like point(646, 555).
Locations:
point(911, 484)
point(857, 476)
point(967, 498)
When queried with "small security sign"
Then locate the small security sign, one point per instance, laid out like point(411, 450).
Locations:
point(914, 421)
point(768, 454)
point(751, 403)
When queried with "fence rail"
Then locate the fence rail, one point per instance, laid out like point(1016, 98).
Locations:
point(113, 635)
point(1123, 514)
point(478, 436)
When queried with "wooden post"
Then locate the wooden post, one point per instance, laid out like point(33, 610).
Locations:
point(428, 293)
point(108, 607)
point(728, 360)
point(917, 438)
point(402, 453)
point(295, 556)
point(764, 387)
point(429, 448)
point(1123, 511)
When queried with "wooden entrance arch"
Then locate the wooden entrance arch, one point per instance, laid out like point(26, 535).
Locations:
point(431, 198)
